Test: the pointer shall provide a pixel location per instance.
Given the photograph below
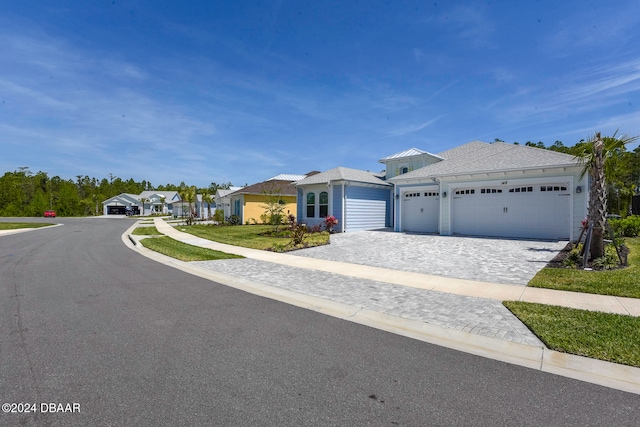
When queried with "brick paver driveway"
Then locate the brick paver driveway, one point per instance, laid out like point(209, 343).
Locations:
point(494, 260)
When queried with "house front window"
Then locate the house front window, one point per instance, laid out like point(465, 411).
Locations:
point(324, 204)
point(311, 205)
point(404, 170)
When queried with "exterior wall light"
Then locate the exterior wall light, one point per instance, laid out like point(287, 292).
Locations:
point(444, 194)
point(578, 189)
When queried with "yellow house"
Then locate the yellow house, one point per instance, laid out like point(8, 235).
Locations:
point(249, 203)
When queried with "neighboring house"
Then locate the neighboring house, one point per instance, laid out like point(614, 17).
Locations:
point(358, 199)
point(118, 205)
point(183, 208)
point(496, 189)
point(158, 202)
point(222, 200)
point(151, 202)
point(248, 203)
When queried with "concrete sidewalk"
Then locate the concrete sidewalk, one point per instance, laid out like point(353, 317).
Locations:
point(496, 291)
point(460, 314)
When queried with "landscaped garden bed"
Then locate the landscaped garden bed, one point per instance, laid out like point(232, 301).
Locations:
point(261, 237)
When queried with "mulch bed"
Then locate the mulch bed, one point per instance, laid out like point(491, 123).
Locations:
point(558, 260)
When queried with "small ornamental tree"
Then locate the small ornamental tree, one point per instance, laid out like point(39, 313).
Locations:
point(274, 206)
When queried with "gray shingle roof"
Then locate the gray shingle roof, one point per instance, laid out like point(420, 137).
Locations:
point(342, 174)
point(480, 157)
point(283, 188)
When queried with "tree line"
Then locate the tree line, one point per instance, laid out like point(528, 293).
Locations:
point(24, 193)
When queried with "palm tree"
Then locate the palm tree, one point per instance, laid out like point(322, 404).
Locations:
point(207, 198)
point(143, 200)
point(598, 157)
point(188, 196)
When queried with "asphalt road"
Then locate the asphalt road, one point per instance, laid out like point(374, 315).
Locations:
point(84, 320)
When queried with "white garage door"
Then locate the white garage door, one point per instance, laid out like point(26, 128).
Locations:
point(528, 211)
point(421, 210)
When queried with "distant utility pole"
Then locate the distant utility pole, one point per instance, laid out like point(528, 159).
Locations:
point(110, 175)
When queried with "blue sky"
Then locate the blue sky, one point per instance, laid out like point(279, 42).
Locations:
point(218, 91)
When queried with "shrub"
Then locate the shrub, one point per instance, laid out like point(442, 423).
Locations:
point(280, 247)
point(315, 228)
point(329, 223)
point(218, 216)
point(608, 261)
point(233, 220)
point(574, 259)
point(297, 232)
point(627, 227)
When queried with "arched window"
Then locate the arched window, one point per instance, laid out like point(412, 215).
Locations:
point(324, 204)
point(311, 205)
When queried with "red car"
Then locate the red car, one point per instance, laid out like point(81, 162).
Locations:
point(50, 214)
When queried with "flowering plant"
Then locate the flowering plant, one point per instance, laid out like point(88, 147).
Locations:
point(329, 222)
point(585, 224)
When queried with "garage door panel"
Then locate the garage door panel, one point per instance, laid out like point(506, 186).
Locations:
point(525, 211)
point(420, 211)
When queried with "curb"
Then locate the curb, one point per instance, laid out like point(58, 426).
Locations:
point(612, 375)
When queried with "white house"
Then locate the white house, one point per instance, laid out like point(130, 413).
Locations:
point(483, 189)
point(223, 201)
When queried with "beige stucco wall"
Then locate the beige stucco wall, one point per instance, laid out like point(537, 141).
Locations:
point(253, 207)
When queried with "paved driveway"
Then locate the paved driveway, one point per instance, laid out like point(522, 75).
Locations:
point(494, 260)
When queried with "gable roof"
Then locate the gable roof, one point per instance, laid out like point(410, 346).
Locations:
point(285, 188)
point(482, 157)
point(124, 198)
point(342, 174)
point(155, 196)
point(411, 152)
point(224, 192)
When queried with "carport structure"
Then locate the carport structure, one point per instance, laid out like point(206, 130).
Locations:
point(497, 189)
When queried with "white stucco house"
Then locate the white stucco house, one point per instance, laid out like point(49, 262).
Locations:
point(223, 201)
point(488, 189)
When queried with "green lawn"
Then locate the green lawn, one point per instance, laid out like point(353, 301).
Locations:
point(623, 282)
point(251, 236)
point(17, 225)
point(182, 251)
point(610, 337)
point(146, 231)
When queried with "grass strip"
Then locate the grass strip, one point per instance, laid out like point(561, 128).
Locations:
point(146, 231)
point(184, 252)
point(18, 225)
point(251, 236)
point(604, 336)
point(623, 282)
